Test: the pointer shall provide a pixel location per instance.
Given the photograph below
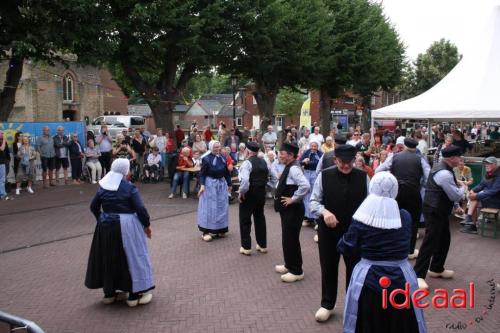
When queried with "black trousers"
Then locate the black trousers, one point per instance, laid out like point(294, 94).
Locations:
point(409, 199)
point(291, 223)
point(105, 160)
point(329, 259)
point(254, 202)
point(436, 243)
point(76, 168)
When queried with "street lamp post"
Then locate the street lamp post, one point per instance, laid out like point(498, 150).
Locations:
point(234, 82)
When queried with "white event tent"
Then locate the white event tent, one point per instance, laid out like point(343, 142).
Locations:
point(471, 91)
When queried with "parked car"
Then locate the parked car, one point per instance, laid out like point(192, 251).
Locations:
point(116, 124)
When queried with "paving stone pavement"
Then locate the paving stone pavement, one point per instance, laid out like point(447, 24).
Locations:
point(200, 287)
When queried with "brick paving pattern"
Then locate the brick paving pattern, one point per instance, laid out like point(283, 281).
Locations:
point(200, 287)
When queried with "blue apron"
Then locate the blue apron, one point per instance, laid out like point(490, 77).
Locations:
point(356, 285)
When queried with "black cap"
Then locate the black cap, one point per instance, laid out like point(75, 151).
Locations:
point(411, 143)
point(451, 151)
point(253, 146)
point(345, 152)
point(340, 139)
point(290, 147)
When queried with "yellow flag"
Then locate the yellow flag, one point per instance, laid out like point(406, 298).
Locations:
point(305, 113)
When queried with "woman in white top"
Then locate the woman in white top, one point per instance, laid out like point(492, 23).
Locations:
point(160, 141)
point(92, 155)
point(241, 153)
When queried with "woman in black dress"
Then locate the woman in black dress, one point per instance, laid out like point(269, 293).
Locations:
point(119, 258)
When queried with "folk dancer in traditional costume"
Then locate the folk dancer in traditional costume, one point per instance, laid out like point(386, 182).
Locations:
point(337, 194)
point(215, 181)
point(288, 201)
point(309, 160)
point(441, 193)
point(119, 258)
point(327, 161)
point(380, 233)
point(411, 170)
point(253, 175)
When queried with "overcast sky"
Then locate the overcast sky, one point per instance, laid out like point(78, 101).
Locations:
point(421, 22)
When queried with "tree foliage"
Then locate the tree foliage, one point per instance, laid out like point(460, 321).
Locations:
point(160, 45)
point(430, 68)
point(362, 53)
point(289, 102)
point(165, 51)
point(276, 45)
point(207, 83)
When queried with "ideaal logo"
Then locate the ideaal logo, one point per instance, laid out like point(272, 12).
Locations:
point(440, 300)
point(460, 299)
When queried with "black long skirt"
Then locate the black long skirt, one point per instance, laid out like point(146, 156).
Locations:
point(372, 318)
point(107, 266)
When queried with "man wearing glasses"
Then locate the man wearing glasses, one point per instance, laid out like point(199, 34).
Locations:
point(356, 138)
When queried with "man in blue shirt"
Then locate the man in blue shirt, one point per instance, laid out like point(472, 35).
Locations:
point(487, 192)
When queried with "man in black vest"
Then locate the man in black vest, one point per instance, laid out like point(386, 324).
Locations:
point(411, 170)
point(337, 194)
point(253, 175)
point(441, 193)
point(292, 187)
point(328, 161)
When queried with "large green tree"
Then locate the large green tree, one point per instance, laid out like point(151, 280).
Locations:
point(363, 53)
point(430, 68)
point(43, 31)
point(160, 45)
point(276, 45)
point(380, 62)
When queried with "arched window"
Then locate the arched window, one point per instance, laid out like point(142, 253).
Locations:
point(68, 88)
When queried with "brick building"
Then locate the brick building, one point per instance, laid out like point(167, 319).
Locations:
point(114, 98)
point(210, 110)
point(350, 105)
point(55, 93)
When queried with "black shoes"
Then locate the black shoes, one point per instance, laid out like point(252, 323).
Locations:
point(469, 228)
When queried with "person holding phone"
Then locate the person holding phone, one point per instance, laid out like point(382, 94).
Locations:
point(105, 147)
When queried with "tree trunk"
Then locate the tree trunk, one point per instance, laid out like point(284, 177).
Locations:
point(324, 111)
point(8, 94)
point(366, 115)
point(266, 100)
point(163, 115)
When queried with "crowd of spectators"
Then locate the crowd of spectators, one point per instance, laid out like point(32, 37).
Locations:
point(161, 156)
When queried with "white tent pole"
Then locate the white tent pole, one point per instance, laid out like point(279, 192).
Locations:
point(429, 133)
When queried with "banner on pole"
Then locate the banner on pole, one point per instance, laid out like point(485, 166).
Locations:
point(305, 113)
